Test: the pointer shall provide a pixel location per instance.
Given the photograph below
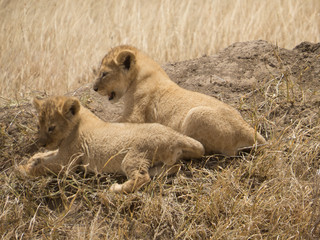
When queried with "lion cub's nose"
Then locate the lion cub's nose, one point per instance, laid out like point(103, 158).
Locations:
point(95, 87)
point(42, 144)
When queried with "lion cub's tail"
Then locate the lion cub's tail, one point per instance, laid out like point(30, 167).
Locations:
point(191, 148)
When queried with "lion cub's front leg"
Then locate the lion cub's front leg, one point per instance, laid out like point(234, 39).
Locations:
point(136, 168)
point(40, 164)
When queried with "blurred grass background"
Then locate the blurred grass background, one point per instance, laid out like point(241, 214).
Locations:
point(53, 46)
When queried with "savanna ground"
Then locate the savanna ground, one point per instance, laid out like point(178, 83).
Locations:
point(270, 193)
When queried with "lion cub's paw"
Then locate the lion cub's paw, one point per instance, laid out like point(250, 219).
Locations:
point(26, 170)
point(22, 170)
point(116, 188)
point(36, 159)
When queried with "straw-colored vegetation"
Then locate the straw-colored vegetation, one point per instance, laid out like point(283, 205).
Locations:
point(52, 46)
point(270, 193)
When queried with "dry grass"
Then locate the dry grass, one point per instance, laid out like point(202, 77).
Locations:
point(52, 46)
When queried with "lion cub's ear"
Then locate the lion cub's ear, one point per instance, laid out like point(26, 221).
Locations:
point(37, 102)
point(70, 108)
point(125, 58)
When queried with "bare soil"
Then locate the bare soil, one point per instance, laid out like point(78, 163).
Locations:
point(277, 91)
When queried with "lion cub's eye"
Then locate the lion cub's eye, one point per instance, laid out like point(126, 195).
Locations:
point(103, 74)
point(51, 128)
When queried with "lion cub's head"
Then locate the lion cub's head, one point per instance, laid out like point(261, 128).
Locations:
point(117, 70)
point(58, 117)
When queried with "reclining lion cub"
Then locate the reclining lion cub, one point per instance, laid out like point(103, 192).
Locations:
point(83, 139)
point(150, 96)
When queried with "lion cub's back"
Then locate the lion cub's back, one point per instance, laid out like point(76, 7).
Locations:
point(136, 134)
point(114, 135)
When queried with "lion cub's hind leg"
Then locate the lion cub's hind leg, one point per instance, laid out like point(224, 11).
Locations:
point(180, 147)
point(219, 130)
point(212, 129)
point(136, 168)
point(198, 125)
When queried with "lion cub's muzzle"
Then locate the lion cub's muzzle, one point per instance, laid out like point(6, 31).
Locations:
point(42, 142)
point(111, 95)
point(95, 87)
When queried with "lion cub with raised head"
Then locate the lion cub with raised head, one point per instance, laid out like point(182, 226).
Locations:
point(150, 96)
point(78, 137)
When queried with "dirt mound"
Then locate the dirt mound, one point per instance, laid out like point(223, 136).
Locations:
point(241, 67)
point(270, 193)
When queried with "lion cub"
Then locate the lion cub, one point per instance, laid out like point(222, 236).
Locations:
point(78, 137)
point(150, 96)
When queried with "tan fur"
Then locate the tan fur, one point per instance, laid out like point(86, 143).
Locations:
point(77, 137)
point(150, 96)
